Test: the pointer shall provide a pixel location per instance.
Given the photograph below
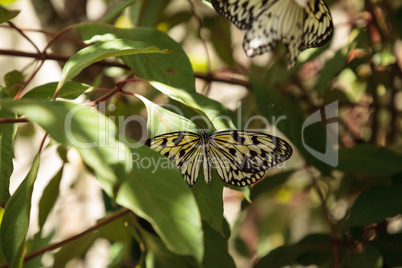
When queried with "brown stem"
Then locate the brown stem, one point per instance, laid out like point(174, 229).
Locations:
point(334, 240)
point(23, 34)
point(116, 89)
point(13, 120)
point(75, 237)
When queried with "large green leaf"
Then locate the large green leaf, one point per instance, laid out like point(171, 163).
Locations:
point(100, 51)
point(49, 197)
point(156, 191)
point(83, 128)
point(370, 257)
point(14, 226)
point(370, 160)
point(6, 15)
point(214, 111)
point(277, 258)
point(209, 200)
point(391, 247)
point(147, 13)
point(173, 69)
point(7, 134)
point(374, 205)
point(161, 120)
point(116, 11)
point(158, 256)
point(71, 90)
point(216, 248)
point(14, 82)
point(269, 183)
point(312, 249)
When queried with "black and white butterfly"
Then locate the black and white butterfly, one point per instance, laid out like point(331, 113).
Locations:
point(299, 24)
point(240, 157)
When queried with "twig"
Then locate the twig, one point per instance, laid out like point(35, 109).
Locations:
point(23, 34)
point(75, 237)
point(334, 240)
point(13, 120)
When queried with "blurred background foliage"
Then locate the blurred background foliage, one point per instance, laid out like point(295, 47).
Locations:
point(307, 212)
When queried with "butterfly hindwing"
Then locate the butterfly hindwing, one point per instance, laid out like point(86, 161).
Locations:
point(242, 157)
point(184, 149)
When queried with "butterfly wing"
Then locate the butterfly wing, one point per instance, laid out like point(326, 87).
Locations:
point(240, 12)
point(280, 21)
point(184, 149)
point(242, 157)
point(318, 27)
point(298, 27)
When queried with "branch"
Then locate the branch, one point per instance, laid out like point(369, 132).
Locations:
point(13, 120)
point(75, 237)
point(334, 240)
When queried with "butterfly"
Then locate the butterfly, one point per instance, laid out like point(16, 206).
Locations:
point(299, 26)
point(240, 157)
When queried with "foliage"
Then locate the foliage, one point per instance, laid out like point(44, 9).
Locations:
point(335, 203)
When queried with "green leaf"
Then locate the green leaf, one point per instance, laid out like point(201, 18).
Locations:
point(100, 51)
point(6, 15)
point(7, 135)
point(220, 28)
point(370, 159)
point(156, 191)
point(115, 12)
point(369, 258)
point(158, 256)
point(147, 13)
point(314, 249)
point(216, 248)
point(114, 231)
point(211, 204)
point(75, 248)
point(14, 226)
point(269, 183)
point(14, 81)
point(83, 128)
point(161, 120)
point(374, 205)
point(71, 90)
point(37, 242)
point(277, 258)
point(331, 69)
point(49, 197)
point(391, 247)
point(173, 69)
point(214, 111)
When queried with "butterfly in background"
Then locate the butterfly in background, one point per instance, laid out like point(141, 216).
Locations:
point(299, 24)
point(240, 157)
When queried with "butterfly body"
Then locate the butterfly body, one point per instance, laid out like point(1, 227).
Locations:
point(240, 157)
point(298, 26)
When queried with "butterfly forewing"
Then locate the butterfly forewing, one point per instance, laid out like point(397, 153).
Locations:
point(184, 149)
point(318, 27)
point(240, 12)
point(242, 156)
